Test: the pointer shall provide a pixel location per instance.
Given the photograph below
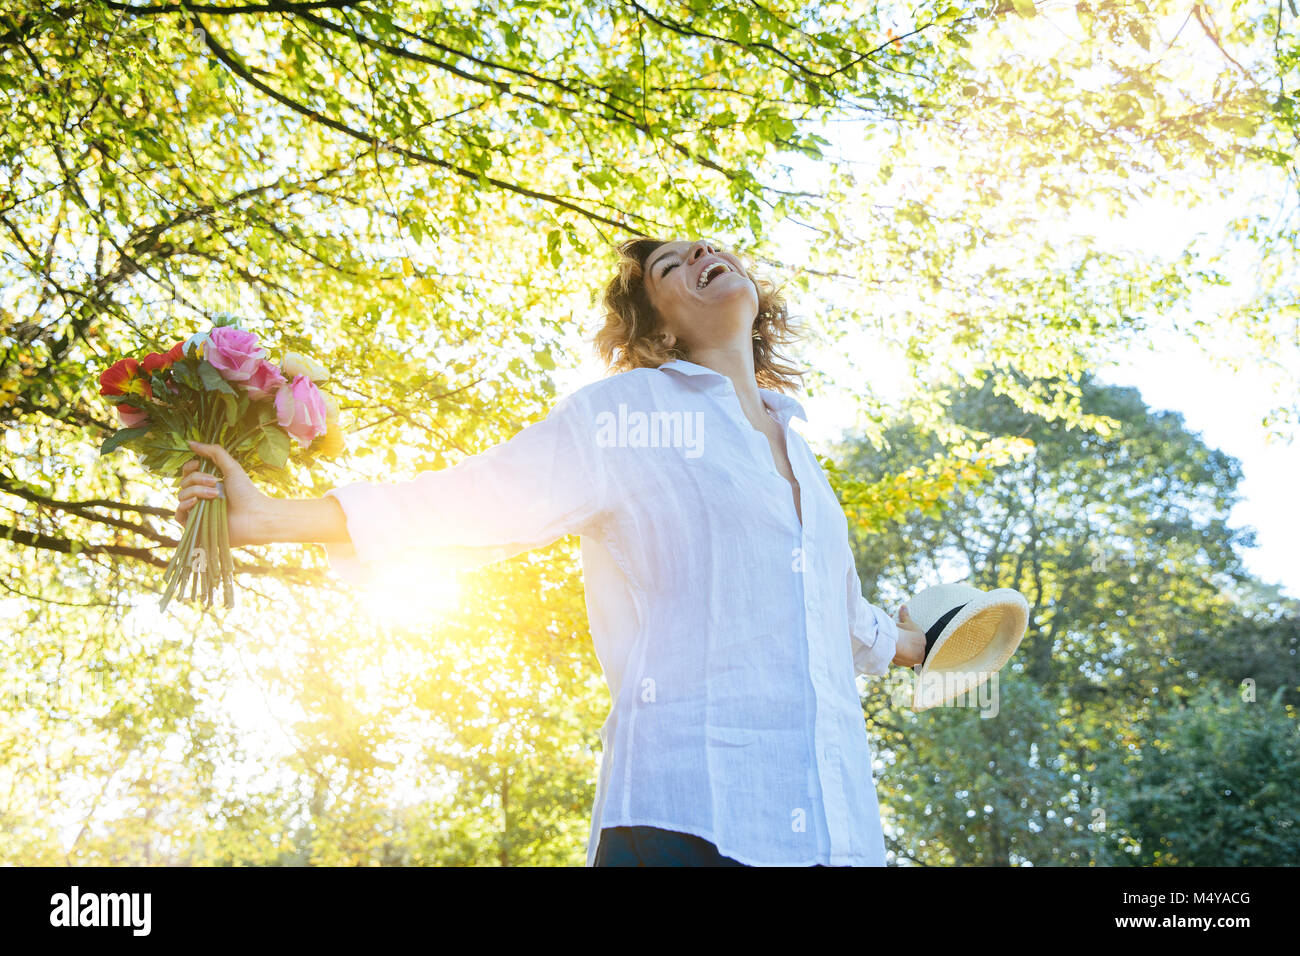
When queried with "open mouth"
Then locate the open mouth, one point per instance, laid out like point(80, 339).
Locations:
point(711, 273)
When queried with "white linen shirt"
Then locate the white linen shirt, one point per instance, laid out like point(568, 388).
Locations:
point(729, 632)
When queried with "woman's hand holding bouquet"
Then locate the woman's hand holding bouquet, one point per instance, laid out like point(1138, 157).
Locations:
point(216, 394)
point(245, 503)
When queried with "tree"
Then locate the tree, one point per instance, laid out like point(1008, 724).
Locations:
point(1138, 603)
point(1208, 786)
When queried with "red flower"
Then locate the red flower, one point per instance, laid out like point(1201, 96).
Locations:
point(155, 361)
point(124, 378)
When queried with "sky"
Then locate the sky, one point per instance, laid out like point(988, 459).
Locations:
point(1226, 409)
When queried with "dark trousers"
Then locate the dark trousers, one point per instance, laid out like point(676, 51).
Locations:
point(651, 846)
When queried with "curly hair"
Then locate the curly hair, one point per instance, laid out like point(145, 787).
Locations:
point(631, 338)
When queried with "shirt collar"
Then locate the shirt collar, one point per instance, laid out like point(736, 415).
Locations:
point(782, 404)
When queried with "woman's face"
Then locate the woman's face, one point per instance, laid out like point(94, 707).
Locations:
point(702, 293)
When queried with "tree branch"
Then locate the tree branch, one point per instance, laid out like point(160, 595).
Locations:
point(241, 71)
point(228, 9)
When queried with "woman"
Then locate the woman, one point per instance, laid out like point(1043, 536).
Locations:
point(722, 595)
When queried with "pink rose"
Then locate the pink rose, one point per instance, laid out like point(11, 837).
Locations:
point(265, 381)
point(132, 417)
point(234, 353)
point(300, 410)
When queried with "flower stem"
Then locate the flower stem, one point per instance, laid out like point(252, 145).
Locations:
point(200, 541)
point(207, 555)
point(227, 563)
point(180, 564)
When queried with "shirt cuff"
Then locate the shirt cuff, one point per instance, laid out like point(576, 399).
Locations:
point(371, 530)
point(346, 565)
point(876, 657)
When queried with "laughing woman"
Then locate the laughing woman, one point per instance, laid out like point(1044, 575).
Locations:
point(722, 594)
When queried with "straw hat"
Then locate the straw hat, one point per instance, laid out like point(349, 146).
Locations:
point(969, 635)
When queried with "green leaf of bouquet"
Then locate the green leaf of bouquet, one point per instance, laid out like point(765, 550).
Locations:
point(121, 437)
point(232, 408)
point(184, 374)
point(154, 460)
point(172, 463)
point(212, 380)
point(273, 449)
point(172, 420)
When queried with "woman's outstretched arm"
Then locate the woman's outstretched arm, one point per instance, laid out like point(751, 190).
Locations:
point(545, 482)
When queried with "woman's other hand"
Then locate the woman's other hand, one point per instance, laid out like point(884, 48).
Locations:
point(910, 650)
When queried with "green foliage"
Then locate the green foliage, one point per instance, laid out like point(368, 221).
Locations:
point(962, 789)
point(1143, 628)
point(1211, 784)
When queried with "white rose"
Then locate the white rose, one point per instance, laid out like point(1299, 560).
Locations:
point(297, 364)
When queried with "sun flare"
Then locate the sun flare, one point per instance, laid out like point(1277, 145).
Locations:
point(412, 595)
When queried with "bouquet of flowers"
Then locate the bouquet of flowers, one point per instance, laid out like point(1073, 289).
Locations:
point(218, 387)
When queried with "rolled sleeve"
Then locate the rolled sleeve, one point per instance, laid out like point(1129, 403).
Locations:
point(545, 482)
point(873, 631)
